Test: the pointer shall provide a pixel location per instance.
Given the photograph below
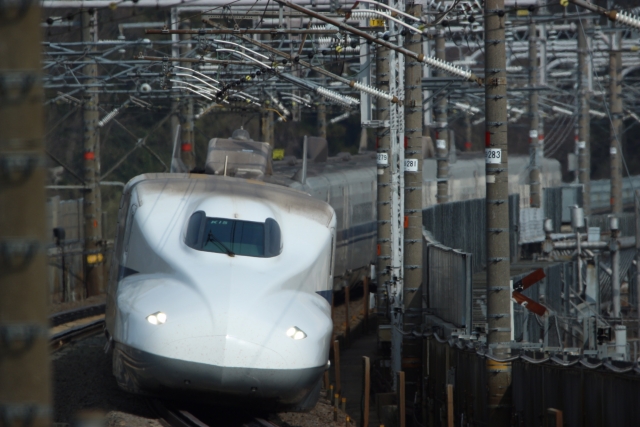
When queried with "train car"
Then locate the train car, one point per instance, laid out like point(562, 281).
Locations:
point(219, 290)
point(348, 182)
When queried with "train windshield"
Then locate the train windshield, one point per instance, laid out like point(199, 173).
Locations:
point(234, 237)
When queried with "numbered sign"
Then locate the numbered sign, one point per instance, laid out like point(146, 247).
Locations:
point(493, 155)
point(383, 159)
point(441, 144)
point(411, 165)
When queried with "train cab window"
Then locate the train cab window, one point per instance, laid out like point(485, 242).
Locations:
point(234, 237)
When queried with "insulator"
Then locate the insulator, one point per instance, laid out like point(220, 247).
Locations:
point(280, 105)
point(628, 19)
point(447, 67)
point(340, 117)
point(368, 14)
point(206, 110)
point(372, 91)
point(336, 97)
point(108, 117)
point(325, 40)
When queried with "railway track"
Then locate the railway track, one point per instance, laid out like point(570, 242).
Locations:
point(174, 416)
point(74, 325)
point(77, 324)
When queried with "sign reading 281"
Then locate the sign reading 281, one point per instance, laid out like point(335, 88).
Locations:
point(493, 155)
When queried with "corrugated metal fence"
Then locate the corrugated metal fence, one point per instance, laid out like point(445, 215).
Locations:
point(466, 371)
point(462, 225)
point(587, 397)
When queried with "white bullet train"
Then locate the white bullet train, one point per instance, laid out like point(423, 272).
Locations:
point(219, 288)
point(221, 283)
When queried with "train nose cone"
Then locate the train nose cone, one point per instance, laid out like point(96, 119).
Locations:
point(225, 351)
point(227, 366)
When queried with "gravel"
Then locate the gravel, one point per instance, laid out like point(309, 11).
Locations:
point(82, 382)
point(84, 387)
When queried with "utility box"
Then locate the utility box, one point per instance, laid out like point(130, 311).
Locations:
point(571, 196)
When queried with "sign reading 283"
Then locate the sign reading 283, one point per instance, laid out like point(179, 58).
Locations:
point(493, 155)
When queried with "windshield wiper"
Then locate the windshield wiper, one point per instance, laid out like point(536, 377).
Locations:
point(214, 239)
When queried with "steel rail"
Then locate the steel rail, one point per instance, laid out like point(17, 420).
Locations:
point(176, 417)
point(63, 317)
point(75, 333)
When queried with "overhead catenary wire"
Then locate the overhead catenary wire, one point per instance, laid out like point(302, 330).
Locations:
point(434, 63)
point(356, 85)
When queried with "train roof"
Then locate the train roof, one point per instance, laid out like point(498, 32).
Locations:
point(285, 198)
point(467, 165)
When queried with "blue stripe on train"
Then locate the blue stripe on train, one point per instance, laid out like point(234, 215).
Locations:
point(355, 234)
point(326, 295)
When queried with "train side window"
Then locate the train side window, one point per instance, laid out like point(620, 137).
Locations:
point(272, 238)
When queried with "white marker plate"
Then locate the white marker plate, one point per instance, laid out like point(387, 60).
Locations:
point(411, 165)
point(383, 159)
point(441, 144)
point(493, 155)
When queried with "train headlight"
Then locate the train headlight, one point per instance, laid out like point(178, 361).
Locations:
point(296, 333)
point(157, 318)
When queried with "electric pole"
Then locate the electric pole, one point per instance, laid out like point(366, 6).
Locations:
point(383, 208)
point(264, 131)
point(267, 123)
point(187, 147)
point(534, 174)
point(322, 118)
point(396, 166)
point(442, 129)
point(93, 259)
point(584, 139)
point(468, 132)
point(271, 125)
point(412, 348)
point(615, 100)
point(497, 202)
point(25, 388)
